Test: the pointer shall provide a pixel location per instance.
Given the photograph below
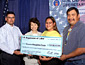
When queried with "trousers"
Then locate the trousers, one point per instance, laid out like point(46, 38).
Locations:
point(8, 59)
point(76, 62)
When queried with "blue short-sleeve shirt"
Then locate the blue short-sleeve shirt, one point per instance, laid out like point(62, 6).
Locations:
point(76, 39)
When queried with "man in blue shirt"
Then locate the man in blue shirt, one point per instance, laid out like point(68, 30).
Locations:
point(74, 39)
point(10, 42)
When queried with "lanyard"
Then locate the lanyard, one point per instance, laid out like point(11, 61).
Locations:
point(69, 30)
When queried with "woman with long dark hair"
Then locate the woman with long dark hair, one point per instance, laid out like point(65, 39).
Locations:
point(52, 31)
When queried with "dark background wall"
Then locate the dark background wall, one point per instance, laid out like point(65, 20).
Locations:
point(24, 10)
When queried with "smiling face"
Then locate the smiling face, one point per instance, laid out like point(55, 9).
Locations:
point(34, 26)
point(49, 24)
point(10, 19)
point(73, 17)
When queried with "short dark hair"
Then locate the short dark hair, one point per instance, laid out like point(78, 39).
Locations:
point(34, 20)
point(10, 12)
point(72, 8)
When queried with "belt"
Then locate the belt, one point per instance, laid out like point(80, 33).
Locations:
point(34, 57)
point(74, 60)
point(7, 53)
point(69, 60)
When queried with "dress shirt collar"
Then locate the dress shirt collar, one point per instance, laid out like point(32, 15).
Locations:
point(9, 26)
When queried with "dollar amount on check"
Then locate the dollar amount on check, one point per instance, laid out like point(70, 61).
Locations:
point(41, 45)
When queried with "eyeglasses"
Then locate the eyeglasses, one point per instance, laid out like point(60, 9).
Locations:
point(10, 17)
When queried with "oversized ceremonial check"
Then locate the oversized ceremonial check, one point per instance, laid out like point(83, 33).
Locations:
point(41, 45)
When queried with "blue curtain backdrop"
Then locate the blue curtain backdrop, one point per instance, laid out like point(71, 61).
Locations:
point(39, 9)
point(1, 12)
point(33, 8)
point(24, 15)
point(26, 9)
